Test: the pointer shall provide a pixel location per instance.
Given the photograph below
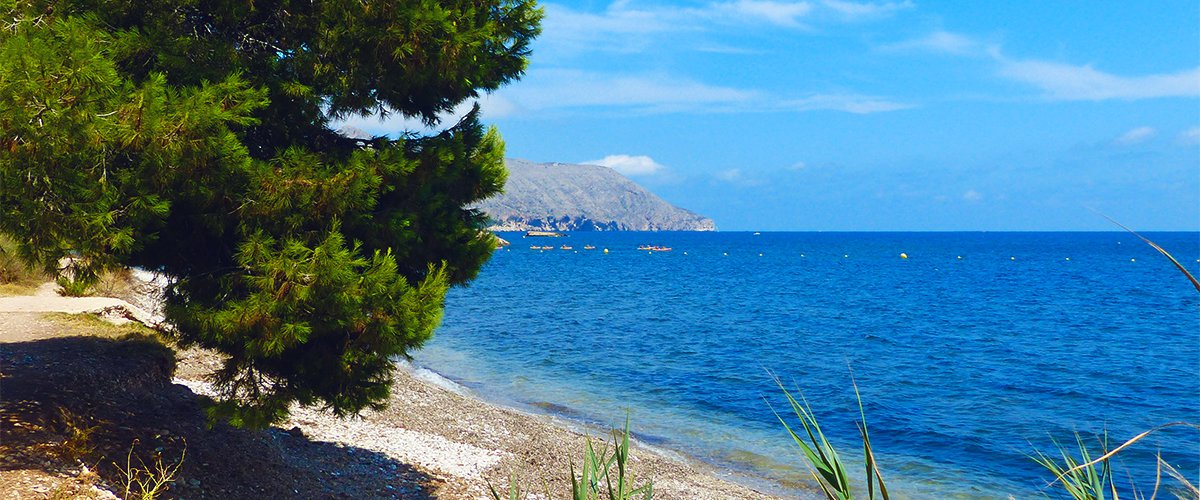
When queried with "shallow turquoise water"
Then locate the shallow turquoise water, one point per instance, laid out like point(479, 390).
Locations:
point(965, 364)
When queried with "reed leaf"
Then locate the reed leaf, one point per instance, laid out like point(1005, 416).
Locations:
point(822, 459)
point(1178, 265)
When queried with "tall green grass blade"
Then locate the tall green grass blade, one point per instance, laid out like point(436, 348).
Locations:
point(821, 457)
point(873, 473)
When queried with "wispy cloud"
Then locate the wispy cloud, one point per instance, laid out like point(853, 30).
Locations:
point(777, 13)
point(1190, 137)
point(850, 103)
point(1059, 81)
point(629, 165)
point(562, 89)
point(557, 89)
point(866, 10)
point(731, 175)
point(625, 27)
point(940, 41)
point(619, 28)
point(972, 195)
point(1135, 136)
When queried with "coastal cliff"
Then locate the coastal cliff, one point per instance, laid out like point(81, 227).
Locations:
point(566, 197)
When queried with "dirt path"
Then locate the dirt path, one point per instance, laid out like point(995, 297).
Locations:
point(45, 299)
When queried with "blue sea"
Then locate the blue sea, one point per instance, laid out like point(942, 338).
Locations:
point(972, 352)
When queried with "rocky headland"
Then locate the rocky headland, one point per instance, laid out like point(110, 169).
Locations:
point(566, 197)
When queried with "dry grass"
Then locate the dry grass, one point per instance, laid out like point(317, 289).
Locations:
point(95, 326)
point(148, 481)
point(77, 430)
point(16, 277)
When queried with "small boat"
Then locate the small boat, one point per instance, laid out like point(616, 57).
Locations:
point(589, 247)
point(543, 234)
point(654, 248)
point(565, 247)
point(548, 247)
point(534, 247)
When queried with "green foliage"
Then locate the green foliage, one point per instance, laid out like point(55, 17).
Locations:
point(1091, 482)
point(608, 476)
point(1088, 478)
point(194, 139)
point(822, 459)
point(68, 287)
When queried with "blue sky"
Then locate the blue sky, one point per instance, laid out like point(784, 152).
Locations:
point(898, 115)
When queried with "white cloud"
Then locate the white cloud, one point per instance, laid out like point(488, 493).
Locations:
point(551, 89)
point(1190, 137)
point(1061, 81)
point(491, 106)
point(563, 89)
point(624, 27)
point(942, 42)
point(972, 195)
point(857, 10)
point(1135, 136)
point(798, 166)
point(629, 165)
point(850, 103)
point(731, 175)
point(776, 13)
point(617, 29)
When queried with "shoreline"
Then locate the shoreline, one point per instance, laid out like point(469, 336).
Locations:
point(572, 421)
point(471, 443)
point(456, 440)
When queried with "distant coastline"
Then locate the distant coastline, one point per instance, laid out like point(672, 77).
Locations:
point(565, 197)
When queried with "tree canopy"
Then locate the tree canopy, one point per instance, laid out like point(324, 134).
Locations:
point(194, 138)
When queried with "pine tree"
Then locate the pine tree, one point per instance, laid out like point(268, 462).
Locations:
point(194, 138)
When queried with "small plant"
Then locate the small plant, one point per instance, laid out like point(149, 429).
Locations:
point(1081, 483)
point(78, 443)
point(603, 476)
point(598, 469)
point(514, 491)
point(68, 287)
point(147, 482)
point(822, 459)
point(1087, 478)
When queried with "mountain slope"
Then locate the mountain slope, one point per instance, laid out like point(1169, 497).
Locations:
point(564, 197)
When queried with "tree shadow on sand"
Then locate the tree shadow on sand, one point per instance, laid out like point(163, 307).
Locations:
point(68, 402)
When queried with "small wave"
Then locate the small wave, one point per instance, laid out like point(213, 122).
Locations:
point(429, 376)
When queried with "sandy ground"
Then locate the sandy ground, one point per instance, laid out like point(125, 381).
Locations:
point(432, 441)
